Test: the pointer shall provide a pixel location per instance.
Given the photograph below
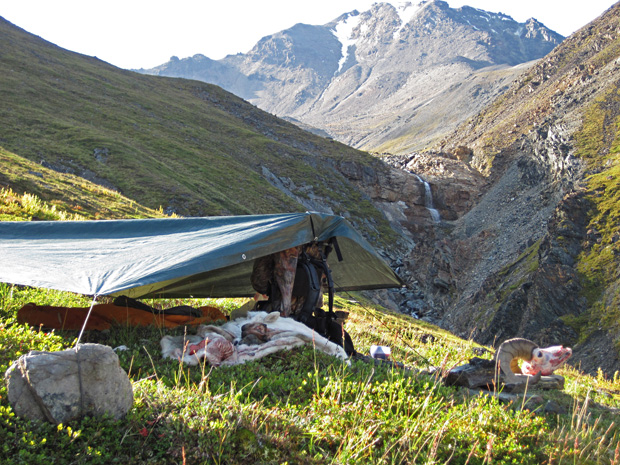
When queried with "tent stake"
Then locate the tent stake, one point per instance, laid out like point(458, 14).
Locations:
point(86, 320)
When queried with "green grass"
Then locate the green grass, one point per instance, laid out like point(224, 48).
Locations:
point(304, 407)
point(599, 146)
point(40, 193)
point(185, 146)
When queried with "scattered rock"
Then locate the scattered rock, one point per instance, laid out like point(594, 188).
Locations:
point(441, 284)
point(101, 154)
point(427, 339)
point(545, 383)
point(480, 351)
point(477, 373)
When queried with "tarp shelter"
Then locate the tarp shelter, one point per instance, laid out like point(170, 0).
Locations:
point(177, 257)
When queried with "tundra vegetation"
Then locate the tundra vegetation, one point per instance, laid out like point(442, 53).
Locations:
point(599, 146)
point(299, 406)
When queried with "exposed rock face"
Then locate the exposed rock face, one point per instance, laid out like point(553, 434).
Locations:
point(517, 209)
point(508, 267)
point(63, 386)
point(415, 71)
point(454, 185)
point(531, 295)
point(400, 193)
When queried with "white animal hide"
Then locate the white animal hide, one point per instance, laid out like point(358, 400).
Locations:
point(217, 343)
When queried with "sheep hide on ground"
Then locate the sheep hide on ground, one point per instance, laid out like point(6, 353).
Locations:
point(245, 339)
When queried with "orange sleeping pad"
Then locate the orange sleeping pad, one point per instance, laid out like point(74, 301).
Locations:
point(104, 316)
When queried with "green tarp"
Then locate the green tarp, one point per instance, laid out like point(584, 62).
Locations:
point(184, 257)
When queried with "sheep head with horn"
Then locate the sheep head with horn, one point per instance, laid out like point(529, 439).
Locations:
point(537, 361)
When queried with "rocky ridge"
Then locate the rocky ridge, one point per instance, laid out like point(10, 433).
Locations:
point(392, 78)
point(512, 265)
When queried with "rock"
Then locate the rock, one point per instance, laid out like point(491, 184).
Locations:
point(530, 402)
point(427, 339)
point(481, 373)
point(544, 383)
point(478, 373)
point(441, 283)
point(101, 154)
point(479, 351)
point(553, 408)
point(59, 387)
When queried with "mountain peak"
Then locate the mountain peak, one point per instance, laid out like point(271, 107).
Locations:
point(380, 68)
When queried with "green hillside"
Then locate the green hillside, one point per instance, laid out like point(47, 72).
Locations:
point(30, 191)
point(599, 264)
point(185, 146)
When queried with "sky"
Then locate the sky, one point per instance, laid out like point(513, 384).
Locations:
point(136, 34)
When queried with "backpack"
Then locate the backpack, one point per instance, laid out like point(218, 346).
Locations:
point(308, 291)
point(308, 285)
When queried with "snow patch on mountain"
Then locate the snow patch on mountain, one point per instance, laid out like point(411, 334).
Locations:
point(344, 32)
point(406, 11)
point(354, 80)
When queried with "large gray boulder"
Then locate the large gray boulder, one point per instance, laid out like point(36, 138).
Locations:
point(62, 386)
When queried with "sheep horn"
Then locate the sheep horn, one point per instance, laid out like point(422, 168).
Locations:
point(508, 356)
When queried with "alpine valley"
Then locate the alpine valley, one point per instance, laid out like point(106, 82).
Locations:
point(493, 183)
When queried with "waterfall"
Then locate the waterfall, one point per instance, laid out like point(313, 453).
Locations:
point(428, 199)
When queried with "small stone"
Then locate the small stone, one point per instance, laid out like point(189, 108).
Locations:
point(553, 408)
